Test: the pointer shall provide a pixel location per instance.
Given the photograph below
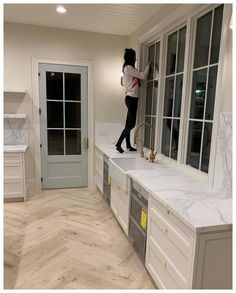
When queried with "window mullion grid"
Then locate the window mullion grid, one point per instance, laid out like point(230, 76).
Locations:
point(54, 100)
point(170, 75)
point(177, 49)
point(152, 80)
point(203, 121)
point(199, 120)
point(205, 66)
point(149, 115)
point(161, 87)
point(206, 92)
point(64, 115)
point(173, 105)
point(212, 22)
point(172, 115)
point(151, 138)
point(154, 61)
point(188, 79)
point(171, 129)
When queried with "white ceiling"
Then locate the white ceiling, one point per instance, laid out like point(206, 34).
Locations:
point(120, 19)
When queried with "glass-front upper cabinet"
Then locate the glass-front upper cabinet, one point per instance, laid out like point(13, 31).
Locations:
point(204, 78)
point(174, 73)
point(152, 92)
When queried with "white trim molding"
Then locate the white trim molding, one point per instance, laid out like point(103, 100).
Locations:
point(36, 119)
point(220, 88)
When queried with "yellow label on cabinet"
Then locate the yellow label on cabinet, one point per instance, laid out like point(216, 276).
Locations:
point(143, 221)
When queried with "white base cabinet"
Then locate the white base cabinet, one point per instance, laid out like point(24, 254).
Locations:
point(120, 205)
point(99, 169)
point(15, 176)
point(213, 266)
point(178, 258)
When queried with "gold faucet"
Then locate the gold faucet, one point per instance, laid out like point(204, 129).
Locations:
point(153, 153)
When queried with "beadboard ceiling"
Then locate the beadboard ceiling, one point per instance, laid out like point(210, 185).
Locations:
point(119, 19)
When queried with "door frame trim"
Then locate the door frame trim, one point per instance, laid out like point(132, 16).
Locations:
point(36, 119)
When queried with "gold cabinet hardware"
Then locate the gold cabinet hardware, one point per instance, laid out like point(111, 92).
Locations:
point(166, 231)
point(165, 265)
point(86, 143)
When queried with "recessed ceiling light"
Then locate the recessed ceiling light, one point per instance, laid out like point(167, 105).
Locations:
point(61, 9)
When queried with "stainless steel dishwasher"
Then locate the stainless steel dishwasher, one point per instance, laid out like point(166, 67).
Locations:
point(106, 179)
point(138, 219)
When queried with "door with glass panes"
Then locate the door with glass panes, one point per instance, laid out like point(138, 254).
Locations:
point(63, 96)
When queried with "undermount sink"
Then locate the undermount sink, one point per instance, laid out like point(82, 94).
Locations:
point(118, 168)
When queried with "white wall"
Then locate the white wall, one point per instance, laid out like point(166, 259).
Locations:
point(157, 18)
point(22, 42)
point(163, 16)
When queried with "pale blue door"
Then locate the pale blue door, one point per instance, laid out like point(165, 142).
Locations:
point(63, 92)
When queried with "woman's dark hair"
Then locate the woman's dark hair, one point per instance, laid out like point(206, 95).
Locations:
point(129, 58)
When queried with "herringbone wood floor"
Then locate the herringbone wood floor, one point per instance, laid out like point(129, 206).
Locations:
point(66, 239)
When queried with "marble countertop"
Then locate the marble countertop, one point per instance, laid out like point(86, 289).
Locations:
point(15, 148)
point(110, 151)
point(196, 204)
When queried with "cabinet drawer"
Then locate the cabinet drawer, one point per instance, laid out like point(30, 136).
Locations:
point(13, 188)
point(182, 262)
point(13, 170)
point(178, 233)
point(159, 268)
point(12, 158)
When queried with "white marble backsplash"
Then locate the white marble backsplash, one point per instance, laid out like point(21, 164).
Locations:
point(15, 131)
point(223, 165)
point(107, 132)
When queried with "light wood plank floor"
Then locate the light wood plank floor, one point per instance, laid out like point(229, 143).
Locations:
point(66, 239)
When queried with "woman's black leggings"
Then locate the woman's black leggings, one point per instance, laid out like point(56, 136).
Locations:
point(132, 105)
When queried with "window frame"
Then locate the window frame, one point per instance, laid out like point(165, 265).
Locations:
point(162, 97)
point(161, 33)
point(189, 92)
point(156, 116)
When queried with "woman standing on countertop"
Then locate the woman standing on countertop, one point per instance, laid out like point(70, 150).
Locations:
point(131, 77)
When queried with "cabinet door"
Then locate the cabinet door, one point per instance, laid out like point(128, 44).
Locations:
point(124, 210)
point(99, 169)
point(170, 247)
point(213, 265)
point(120, 205)
point(159, 268)
point(14, 178)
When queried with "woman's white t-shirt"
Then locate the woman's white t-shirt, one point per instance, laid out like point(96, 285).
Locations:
point(130, 79)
